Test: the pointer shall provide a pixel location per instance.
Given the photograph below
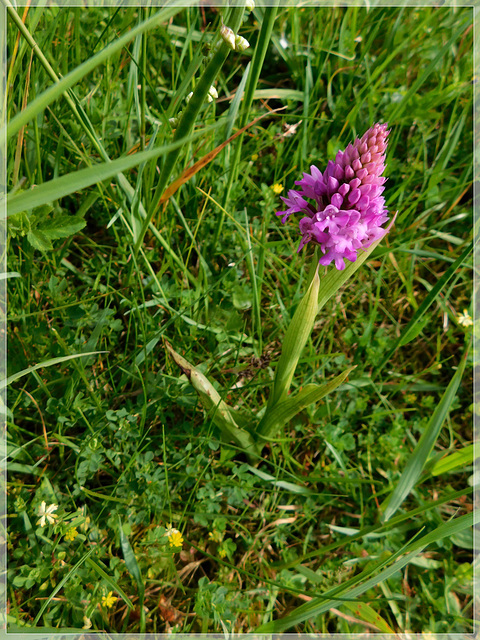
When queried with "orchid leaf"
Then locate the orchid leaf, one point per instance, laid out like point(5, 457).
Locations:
point(213, 403)
point(298, 332)
point(282, 412)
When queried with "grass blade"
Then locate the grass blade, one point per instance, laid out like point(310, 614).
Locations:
point(206, 159)
point(110, 581)
point(46, 363)
point(85, 558)
point(56, 90)
point(457, 460)
point(425, 445)
point(189, 117)
point(73, 182)
point(134, 569)
point(375, 529)
point(254, 71)
point(423, 308)
point(321, 605)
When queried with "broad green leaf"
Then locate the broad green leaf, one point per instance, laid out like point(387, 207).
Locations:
point(457, 460)
point(39, 240)
point(46, 363)
point(213, 403)
point(282, 412)
point(420, 455)
point(62, 226)
point(57, 89)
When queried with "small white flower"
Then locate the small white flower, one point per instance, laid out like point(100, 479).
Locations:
point(228, 36)
point(241, 44)
point(46, 513)
point(464, 319)
point(187, 99)
point(249, 5)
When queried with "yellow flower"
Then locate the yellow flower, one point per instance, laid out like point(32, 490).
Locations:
point(464, 319)
point(109, 601)
point(174, 536)
point(277, 188)
point(216, 536)
point(46, 513)
point(71, 534)
point(254, 157)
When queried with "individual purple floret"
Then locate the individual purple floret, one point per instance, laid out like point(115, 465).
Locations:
point(343, 207)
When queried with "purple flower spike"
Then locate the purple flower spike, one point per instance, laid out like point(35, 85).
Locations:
point(348, 210)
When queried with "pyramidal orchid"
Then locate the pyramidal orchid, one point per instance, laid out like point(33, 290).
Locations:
point(343, 209)
point(343, 213)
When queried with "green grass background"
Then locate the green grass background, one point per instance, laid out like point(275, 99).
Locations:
point(118, 439)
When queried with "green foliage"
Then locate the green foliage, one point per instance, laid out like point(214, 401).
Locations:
point(42, 225)
point(99, 422)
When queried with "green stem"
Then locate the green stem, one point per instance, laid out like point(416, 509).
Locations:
point(254, 74)
point(189, 117)
point(256, 317)
point(296, 337)
point(143, 98)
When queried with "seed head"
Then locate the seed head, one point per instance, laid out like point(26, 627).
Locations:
point(228, 36)
point(241, 44)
